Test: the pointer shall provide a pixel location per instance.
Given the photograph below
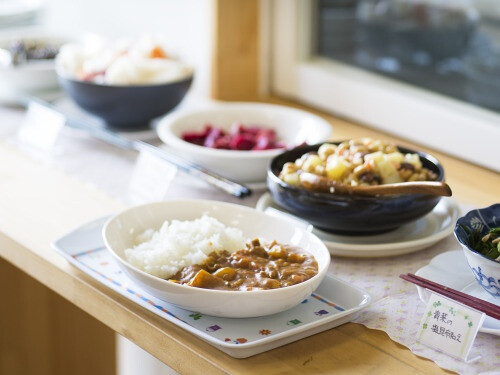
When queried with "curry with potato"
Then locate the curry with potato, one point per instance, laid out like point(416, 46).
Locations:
point(258, 267)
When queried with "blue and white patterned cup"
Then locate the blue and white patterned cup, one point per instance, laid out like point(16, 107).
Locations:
point(485, 270)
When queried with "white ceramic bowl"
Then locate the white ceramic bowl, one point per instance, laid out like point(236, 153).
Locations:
point(32, 77)
point(120, 231)
point(486, 271)
point(291, 125)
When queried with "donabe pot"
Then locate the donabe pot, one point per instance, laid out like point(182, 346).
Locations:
point(350, 214)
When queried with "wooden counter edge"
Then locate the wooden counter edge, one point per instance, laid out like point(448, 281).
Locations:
point(89, 295)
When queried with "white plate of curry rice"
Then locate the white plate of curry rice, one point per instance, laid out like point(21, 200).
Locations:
point(414, 236)
point(143, 229)
point(333, 303)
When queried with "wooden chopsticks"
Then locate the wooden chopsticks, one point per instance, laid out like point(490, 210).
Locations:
point(488, 308)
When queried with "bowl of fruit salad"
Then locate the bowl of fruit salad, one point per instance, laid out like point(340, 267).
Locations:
point(353, 163)
point(238, 140)
point(125, 82)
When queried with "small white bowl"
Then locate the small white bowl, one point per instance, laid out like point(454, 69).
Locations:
point(486, 271)
point(120, 231)
point(32, 77)
point(291, 125)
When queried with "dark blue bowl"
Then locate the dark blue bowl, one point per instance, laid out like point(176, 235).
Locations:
point(126, 107)
point(350, 214)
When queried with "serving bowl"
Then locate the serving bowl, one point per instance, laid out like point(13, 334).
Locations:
point(291, 125)
point(348, 213)
point(486, 271)
point(120, 231)
point(32, 77)
point(125, 107)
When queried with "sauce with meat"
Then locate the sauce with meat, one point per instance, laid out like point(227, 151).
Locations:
point(257, 267)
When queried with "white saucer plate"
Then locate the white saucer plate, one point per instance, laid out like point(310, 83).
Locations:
point(451, 269)
point(418, 235)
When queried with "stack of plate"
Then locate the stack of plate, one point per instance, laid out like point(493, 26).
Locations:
point(15, 13)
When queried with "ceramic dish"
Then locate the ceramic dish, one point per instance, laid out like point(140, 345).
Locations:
point(411, 237)
point(291, 125)
point(451, 269)
point(32, 77)
point(485, 270)
point(120, 231)
point(126, 82)
point(125, 107)
point(349, 213)
point(335, 302)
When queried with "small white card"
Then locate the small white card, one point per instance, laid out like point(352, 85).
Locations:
point(450, 327)
point(41, 127)
point(151, 178)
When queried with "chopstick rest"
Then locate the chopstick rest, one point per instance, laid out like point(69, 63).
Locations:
point(449, 323)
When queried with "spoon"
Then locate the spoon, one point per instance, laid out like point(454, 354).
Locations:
point(322, 184)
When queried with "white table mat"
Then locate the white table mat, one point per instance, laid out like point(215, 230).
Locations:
point(396, 308)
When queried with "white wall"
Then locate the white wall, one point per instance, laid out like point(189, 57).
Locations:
point(185, 24)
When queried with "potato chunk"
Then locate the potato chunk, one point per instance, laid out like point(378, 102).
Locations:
point(203, 279)
point(277, 252)
point(295, 258)
point(226, 273)
point(336, 167)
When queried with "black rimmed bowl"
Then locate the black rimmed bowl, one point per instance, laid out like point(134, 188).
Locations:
point(350, 214)
point(126, 107)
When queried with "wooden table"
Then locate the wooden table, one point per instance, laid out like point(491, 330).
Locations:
point(39, 204)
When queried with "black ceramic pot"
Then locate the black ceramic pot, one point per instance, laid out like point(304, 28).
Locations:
point(350, 214)
point(126, 107)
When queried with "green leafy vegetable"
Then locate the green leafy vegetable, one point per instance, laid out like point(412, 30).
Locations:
point(487, 245)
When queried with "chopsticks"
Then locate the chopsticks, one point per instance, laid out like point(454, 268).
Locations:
point(488, 308)
point(115, 139)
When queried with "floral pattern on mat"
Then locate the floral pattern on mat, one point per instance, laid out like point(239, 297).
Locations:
point(397, 310)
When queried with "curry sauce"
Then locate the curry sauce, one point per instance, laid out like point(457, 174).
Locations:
point(257, 267)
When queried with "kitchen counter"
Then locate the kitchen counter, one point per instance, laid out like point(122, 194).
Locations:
point(39, 203)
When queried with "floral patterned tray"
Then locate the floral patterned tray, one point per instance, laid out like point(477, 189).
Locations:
point(335, 302)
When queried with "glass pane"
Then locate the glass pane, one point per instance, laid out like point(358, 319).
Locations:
point(451, 47)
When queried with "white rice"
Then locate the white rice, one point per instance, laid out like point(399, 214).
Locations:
point(182, 243)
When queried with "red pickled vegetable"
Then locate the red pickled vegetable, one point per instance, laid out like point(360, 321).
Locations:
point(195, 138)
point(252, 130)
point(242, 142)
point(240, 137)
point(212, 136)
point(223, 142)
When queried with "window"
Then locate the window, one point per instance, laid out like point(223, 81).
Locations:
point(426, 70)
